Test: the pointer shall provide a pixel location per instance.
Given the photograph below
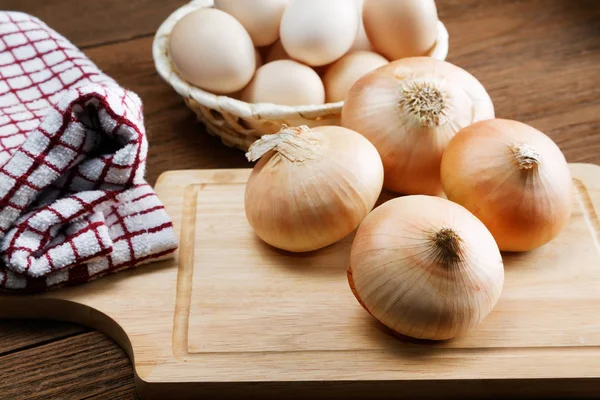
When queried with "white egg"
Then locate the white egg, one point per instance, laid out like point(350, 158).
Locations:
point(212, 50)
point(361, 42)
point(318, 32)
point(400, 29)
point(285, 82)
point(261, 18)
point(344, 73)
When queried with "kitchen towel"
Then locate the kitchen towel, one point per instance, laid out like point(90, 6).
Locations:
point(74, 205)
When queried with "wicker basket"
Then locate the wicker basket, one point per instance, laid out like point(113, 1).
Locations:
point(238, 123)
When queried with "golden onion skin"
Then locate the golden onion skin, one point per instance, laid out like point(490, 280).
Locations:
point(425, 267)
point(514, 178)
point(314, 190)
point(410, 109)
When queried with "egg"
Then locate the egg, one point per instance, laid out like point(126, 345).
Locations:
point(211, 49)
point(261, 18)
point(361, 41)
point(344, 73)
point(399, 29)
point(277, 52)
point(285, 82)
point(317, 32)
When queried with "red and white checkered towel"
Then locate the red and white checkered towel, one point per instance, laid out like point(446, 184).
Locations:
point(74, 205)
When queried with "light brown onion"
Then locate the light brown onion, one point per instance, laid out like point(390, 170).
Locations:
point(311, 187)
point(514, 178)
point(410, 109)
point(425, 267)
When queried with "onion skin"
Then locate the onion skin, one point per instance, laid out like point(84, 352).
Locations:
point(411, 141)
point(524, 208)
point(319, 198)
point(425, 267)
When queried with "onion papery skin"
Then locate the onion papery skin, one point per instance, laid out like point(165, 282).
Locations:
point(514, 178)
point(410, 109)
point(315, 190)
point(425, 267)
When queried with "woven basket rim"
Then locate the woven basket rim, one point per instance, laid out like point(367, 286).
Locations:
point(237, 107)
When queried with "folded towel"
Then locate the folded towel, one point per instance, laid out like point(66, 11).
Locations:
point(74, 205)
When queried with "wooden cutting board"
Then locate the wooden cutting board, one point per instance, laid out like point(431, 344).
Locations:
point(230, 315)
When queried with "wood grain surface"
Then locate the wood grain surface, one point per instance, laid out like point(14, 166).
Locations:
point(190, 337)
point(539, 60)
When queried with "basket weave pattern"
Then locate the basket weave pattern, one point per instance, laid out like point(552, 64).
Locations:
point(237, 123)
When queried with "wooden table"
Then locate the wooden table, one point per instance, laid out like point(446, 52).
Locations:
point(539, 59)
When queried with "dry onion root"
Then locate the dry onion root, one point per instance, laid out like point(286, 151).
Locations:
point(513, 178)
point(425, 267)
point(311, 187)
point(410, 109)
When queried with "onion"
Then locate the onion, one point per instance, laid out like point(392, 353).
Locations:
point(311, 187)
point(410, 109)
point(514, 178)
point(425, 267)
